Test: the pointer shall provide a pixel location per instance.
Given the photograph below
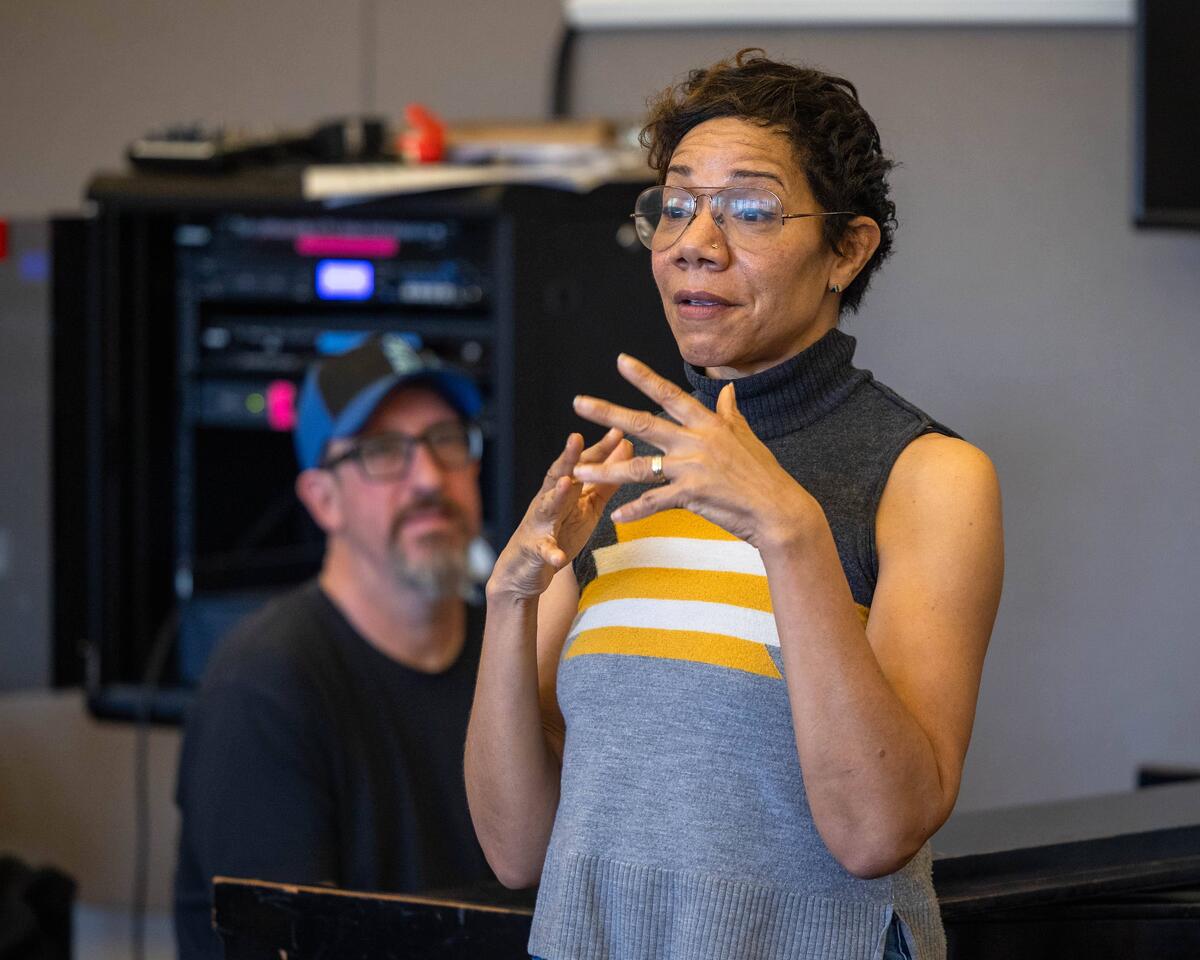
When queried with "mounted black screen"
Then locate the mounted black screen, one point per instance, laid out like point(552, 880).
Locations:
point(1168, 191)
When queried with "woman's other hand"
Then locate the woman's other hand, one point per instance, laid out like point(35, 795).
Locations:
point(559, 520)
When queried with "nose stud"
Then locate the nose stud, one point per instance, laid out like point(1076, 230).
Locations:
point(714, 246)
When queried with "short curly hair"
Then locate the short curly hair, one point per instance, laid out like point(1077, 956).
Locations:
point(834, 139)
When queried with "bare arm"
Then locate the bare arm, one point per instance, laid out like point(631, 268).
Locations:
point(882, 714)
point(515, 736)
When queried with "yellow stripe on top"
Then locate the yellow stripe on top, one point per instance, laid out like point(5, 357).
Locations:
point(672, 523)
point(662, 583)
point(678, 587)
point(692, 645)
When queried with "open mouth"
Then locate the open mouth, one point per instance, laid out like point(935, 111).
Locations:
point(699, 298)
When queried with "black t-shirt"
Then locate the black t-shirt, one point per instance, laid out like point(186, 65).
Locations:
point(310, 757)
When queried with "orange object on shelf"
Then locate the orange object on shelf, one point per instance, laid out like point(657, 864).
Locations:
point(425, 139)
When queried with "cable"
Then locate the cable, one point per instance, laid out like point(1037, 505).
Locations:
point(560, 91)
point(163, 641)
point(369, 40)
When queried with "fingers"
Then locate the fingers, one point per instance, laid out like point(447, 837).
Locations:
point(629, 469)
point(565, 462)
point(551, 500)
point(638, 423)
point(650, 502)
point(549, 553)
point(727, 402)
point(622, 451)
point(603, 448)
point(679, 404)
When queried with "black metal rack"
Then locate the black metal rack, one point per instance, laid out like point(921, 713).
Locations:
point(559, 285)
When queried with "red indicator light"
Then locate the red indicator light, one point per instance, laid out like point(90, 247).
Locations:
point(329, 245)
point(281, 405)
point(3, 239)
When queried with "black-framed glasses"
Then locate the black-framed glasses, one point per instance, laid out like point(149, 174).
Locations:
point(388, 456)
point(746, 215)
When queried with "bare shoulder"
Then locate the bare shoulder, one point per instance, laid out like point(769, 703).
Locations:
point(936, 457)
point(937, 472)
point(939, 529)
point(942, 500)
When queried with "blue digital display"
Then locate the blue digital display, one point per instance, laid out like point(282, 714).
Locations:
point(35, 266)
point(345, 279)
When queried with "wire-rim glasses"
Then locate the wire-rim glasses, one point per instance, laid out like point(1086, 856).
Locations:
point(747, 215)
point(388, 456)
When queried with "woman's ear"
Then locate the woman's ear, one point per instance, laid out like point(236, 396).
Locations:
point(318, 491)
point(858, 243)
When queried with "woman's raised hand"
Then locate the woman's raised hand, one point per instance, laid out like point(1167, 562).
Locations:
point(711, 464)
point(559, 520)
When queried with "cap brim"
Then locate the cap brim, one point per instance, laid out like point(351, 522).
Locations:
point(456, 389)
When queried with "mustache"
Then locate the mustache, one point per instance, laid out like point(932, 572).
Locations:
point(429, 501)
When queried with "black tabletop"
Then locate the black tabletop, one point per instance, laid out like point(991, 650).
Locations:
point(1069, 850)
point(1099, 853)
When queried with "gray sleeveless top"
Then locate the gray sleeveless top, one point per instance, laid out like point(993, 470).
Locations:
point(683, 829)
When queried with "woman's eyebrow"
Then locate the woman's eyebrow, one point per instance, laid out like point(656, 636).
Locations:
point(683, 170)
point(756, 175)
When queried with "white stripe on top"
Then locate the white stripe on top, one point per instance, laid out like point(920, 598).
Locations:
point(723, 618)
point(680, 553)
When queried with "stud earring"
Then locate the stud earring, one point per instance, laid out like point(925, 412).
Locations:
point(836, 288)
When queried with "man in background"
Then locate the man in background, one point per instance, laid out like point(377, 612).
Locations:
point(325, 745)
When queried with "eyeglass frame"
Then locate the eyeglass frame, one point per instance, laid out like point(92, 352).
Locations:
point(474, 450)
point(710, 192)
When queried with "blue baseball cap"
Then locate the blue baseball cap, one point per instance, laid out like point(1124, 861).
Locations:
point(341, 392)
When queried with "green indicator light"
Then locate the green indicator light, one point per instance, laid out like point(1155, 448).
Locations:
point(255, 403)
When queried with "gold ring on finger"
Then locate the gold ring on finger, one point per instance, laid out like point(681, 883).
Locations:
point(656, 467)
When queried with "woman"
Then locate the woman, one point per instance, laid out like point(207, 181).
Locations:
point(767, 648)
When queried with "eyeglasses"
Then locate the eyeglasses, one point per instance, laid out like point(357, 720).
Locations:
point(388, 456)
point(746, 215)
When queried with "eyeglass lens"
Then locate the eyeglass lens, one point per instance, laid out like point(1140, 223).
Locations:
point(748, 214)
point(389, 455)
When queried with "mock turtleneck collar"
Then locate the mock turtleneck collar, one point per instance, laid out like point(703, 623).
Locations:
point(792, 394)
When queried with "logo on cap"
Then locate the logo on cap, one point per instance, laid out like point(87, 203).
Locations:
point(400, 355)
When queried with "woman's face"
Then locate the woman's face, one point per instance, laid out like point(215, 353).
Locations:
point(735, 311)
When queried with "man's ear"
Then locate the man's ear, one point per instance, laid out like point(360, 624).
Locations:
point(858, 243)
point(318, 491)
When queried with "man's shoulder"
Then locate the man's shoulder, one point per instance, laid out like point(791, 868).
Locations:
point(299, 608)
point(289, 636)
